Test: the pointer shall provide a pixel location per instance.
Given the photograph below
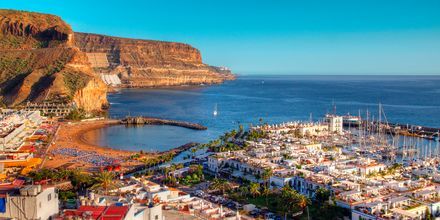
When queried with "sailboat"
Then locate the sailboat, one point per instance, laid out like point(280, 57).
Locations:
point(215, 110)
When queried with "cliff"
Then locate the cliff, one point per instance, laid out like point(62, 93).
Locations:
point(39, 63)
point(43, 60)
point(147, 63)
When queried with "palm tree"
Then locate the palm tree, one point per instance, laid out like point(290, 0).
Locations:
point(79, 179)
point(267, 173)
point(244, 190)
point(254, 189)
point(302, 201)
point(220, 185)
point(266, 193)
point(289, 198)
point(105, 180)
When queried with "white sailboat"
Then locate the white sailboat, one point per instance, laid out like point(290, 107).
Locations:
point(215, 112)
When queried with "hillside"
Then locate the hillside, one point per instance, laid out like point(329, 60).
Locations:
point(43, 60)
point(39, 63)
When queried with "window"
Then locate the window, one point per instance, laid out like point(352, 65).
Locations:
point(39, 204)
point(49, 197)
point(156, 217)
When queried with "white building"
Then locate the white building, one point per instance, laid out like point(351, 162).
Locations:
point(32, 202)
point(335, 123)
point(141, 212)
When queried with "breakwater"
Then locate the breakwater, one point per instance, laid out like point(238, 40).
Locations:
point(157, 121)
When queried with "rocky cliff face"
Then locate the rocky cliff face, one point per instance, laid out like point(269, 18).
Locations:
point(146, 63)
point(39, 63)
point(43, 60)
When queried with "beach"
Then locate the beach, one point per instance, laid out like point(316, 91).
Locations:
point(70, 149)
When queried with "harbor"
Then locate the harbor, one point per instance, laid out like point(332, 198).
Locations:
point(430, 133)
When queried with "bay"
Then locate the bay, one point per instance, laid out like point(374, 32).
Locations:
point(272, 99)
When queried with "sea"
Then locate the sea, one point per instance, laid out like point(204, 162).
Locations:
point(252, 99)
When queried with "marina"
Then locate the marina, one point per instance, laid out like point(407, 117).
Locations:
point(219, 110)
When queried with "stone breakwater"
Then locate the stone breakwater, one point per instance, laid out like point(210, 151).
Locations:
point(158, 121)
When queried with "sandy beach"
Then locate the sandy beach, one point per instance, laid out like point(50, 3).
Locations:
point(71, 150)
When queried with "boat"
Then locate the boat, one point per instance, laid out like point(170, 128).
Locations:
point(215, 110)
point(351, 120)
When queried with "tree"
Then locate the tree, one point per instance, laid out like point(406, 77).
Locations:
point(244, 191)
point(220, 185)
point(105, 180)
point(428, 215)
point(288, 200)
point(302, 201)
point(267, 173)
point(254, 189)
point(322, 195)
point(63, 174)
point(266, 193)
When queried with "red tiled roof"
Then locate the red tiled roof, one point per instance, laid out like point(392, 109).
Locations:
point(100, 212)
point(115, 213)
point(95, 211)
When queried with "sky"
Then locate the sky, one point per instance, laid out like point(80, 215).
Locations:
point(273, 36)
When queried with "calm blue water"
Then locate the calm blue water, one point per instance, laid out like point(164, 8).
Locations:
point(405, 99)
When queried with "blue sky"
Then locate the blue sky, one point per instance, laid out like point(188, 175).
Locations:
point(273, 36)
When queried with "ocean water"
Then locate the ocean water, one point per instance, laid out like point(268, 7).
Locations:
point(405, 99)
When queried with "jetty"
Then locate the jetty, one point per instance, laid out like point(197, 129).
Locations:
point(141, 120)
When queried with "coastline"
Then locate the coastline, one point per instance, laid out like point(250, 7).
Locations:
point(70, 137)
point(70, 146)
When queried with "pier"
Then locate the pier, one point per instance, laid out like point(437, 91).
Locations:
point(157, 121)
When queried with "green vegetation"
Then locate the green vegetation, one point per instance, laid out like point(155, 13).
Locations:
point(287, 201)
point(11, 41)
point(77, 114)
point(254, 189)
point(194, 176)
point(389, 171)
point(41, 44)
point(153, 161)
point(66, 195)
point(322, 195)
point(428, 215)
point(104, 181)
point(220, 185)
point(12, 71)
point(234, 140)
point(74, 81)
point(78, 179)
point(254, 135)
